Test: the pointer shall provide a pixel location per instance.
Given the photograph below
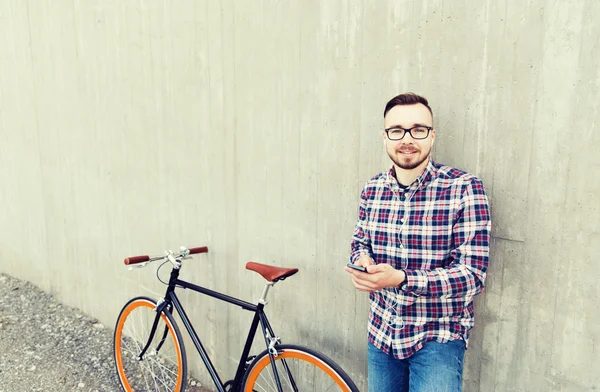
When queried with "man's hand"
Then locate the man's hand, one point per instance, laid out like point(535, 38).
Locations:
point(364, 261)
point(377, 277)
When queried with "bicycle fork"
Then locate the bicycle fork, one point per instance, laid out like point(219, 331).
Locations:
point(161, 305)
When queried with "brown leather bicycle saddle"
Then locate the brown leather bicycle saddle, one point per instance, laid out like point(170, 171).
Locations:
point(269, 272)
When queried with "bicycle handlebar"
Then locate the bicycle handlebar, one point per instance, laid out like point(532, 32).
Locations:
point(184, 252)
point(200, 249)
point(136, 259)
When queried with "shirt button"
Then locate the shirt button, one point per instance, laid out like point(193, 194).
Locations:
point(401, 246)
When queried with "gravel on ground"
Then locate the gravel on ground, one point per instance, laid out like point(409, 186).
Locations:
point(47, 346)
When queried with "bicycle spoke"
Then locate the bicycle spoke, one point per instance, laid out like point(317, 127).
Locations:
point(155, 367)
point(165, 371)
point(328, 389)
point(154, 379)
point(270, 383)
point(145, 380)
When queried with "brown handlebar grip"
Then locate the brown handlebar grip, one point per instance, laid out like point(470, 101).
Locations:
point(136, 259)
point(200, 249)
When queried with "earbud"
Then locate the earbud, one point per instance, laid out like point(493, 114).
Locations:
point(432, 140)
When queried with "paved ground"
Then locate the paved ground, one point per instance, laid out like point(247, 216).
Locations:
point(46, 346)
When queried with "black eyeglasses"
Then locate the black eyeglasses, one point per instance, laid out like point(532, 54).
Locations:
point(418, 133)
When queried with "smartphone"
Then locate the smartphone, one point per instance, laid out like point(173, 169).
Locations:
point(357, 267)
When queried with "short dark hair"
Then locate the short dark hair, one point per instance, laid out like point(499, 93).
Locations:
point(406, 99)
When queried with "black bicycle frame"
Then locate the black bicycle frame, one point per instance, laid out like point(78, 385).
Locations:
point(171, 300)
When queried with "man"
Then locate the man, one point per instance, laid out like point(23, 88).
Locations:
point(423, 234)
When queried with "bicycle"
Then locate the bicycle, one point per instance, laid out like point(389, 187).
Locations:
point(150, 354)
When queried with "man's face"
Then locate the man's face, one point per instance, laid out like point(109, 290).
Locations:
point(409, 153)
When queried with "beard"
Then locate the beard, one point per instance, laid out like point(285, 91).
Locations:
point(410, 163)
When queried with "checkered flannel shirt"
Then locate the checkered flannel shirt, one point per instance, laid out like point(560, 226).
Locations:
point(438, 231)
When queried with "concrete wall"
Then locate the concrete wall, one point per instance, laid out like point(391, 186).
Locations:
point(250, 126)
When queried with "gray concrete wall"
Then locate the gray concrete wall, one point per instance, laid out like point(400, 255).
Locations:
point(250, 126)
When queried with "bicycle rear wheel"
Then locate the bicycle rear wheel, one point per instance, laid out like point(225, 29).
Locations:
point(299, 369)
point(164, 366)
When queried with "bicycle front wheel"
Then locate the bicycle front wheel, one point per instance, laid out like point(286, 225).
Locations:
point(299, 369)
point(163, 366)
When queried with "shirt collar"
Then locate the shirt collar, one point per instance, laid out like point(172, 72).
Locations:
point(426, 176)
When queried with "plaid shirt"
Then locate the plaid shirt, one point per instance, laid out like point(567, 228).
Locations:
point(438, 231)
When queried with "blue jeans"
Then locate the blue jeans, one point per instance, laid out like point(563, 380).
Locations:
point(437, 367)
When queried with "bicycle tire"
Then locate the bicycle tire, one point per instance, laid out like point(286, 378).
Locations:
point(299, 368)
point(165, 370)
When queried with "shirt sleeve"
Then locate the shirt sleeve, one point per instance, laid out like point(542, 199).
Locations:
point(361, 243)
point(465, 275)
